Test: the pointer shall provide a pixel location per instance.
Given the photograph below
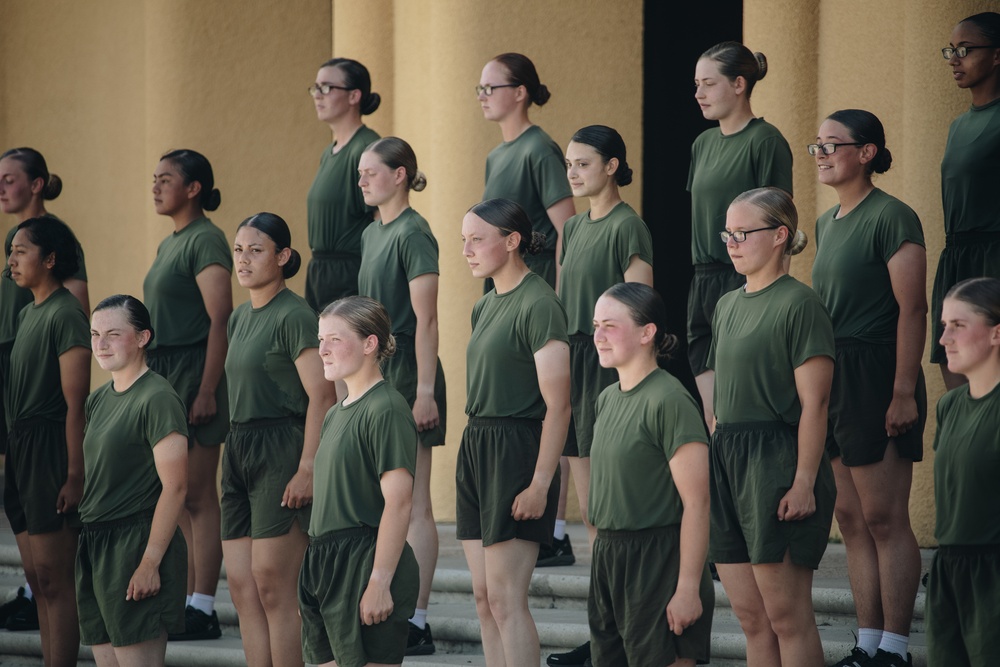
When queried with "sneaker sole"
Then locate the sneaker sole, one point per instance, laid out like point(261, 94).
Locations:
point(555, 561)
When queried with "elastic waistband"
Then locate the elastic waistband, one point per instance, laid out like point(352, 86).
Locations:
point(737, 427)
point(32, 422)
point(969, 550)
point(257, 424)
point(623, 535)
point(483, 422)
point(167, 350)
point(324, 254)
point(960, 239)
point(344, 535)
point(139, 517)
point(714, 267)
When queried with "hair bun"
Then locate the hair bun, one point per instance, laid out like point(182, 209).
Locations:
point(213, 201)
point(536, 244)
point(370, 104)
point(291, 267)
point(623, 176)
point(52, 188)
point(882, 161)
point(419, 181)
point(542, 95)
point(799, 242)
point(761, 64)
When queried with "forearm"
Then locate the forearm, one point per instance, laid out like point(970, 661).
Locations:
point(215, 356)
point(392, 529)
point(550, 448)
point(694, 543)
point(74, 440)
point(910, 337)
point(812, 441)
point(425, 341)
point(313, 426)
point(168, 510)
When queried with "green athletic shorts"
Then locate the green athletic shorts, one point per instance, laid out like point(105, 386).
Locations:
point(182, 366)
point(963, 607)
point(863, 376)
point(496, 461)
point(35, 469)
point(331, 276)
point(709, 283)
point(633, 576)
point(5, 349)
point(400, 370)
point(334, 576)
point(966, 255)
point(259, 460)
point(544, 264)
point(106, 558)
point(752, 468)
point(587, 380)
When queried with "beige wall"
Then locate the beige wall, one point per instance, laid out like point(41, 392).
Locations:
point(884, 57)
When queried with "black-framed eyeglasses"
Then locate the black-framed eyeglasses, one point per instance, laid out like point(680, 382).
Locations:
point(740, 236)
point(489, 88)
point(325, 88)
point(961, 51)
point(828, 149)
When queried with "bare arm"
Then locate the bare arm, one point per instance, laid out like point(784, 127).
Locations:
point(423, 297)
point(689, 469)
point(812, 382)
point(552, 366)
point(170, 457)
point(908, 274)
point(397, 490)
point(217, 293)
point(78, 288)
point(559, 213)
point(639, 271)
point(74, 375)
point(322, 396)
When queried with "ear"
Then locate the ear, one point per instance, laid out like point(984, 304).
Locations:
point(512, 241)
point(521, 93)
point(371, 345)
point(143, 338)
point(193, 189)
point(283, 256)
point(867, 153)
point(354, 97)
point(37, 185)
point(995, 336)
point(782, 238)
point(648, 334)
point(400, 176)
point(611, 167)
point(739, 85)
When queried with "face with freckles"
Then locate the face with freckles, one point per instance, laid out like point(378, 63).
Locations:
point(968, 338)
point(115, 342)
point(618, 339)
point(343, 351)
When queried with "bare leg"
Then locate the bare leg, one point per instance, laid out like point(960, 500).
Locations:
point(862, 557)
point(52, 577)
point(184, 523)
point(243, 588)
point(748, 605)
point(706, 388)
point(508, 572)
point(786, 590)
point(104, 655)
point(563, 488)
point(150, 653)
point(951, 380)
point(28, 563)
point(422, 534)
point(276, 562)
point(581, 479)
point(475, 555)
point(202, 504)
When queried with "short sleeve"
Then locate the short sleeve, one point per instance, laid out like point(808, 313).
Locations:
point(809, 331)
point(633, 239)
point(418, 254)
point(681, 422)
point(393, 440)
point(549, 171)
point(300, 331)
point(773, 163)
point(545, 320)
point(898, 224)
point(70, 329)
point(210, 248)
point(163, 414)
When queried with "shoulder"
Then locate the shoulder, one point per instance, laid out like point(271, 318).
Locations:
point(707, 137)
point(890, 206)
point(761, 130)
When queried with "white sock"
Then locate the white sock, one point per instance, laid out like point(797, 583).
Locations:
point(27, 590)
point(893, 643)
point(419, 618)
point(560, 531)
point(203, 603)
point(868, 640)
point(187, 601)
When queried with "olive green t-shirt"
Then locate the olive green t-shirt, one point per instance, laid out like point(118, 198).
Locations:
point(45, 331)
point(636, 434)
point(595, 254)
point(758, 340)
point(260, 365)
point(122, 429)
point(531, 171)
point(336, 212)
point(507, 330)
point(14, 298)
point(724, 166)
point(969, 171)
point(851, 272)
point(170, 291)
point(360, 442)
point(391, 256)
point(967, 467)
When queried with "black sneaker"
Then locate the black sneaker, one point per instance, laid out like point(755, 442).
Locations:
point(560, 553)
point(25, 618)
point(578, 657)
point(198, 625)
point(858, 658)
point(889, 659)
point(11, 607)
point(420, 642)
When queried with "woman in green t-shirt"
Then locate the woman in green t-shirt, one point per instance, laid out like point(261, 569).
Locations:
point(772, 490)
point(870, 270)
point(963, 588)
point(277, 399)
point(399, 268)
point(131, 564)
point(44, 402)
point(188, 290)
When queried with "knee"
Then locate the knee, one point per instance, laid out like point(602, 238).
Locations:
point(502, 607)
point(791, 623)
point(51, 581)
point(850, 521)
point(483, 606)
point(201, 499)
point(754, 625)
point(886, 523)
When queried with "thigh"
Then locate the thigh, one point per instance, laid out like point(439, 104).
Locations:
point(884, 487)
point(508, 567)
point(203, 467)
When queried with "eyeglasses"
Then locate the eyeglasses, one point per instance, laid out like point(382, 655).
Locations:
point(489, 88)
point(325, 88)
point(961, 51)
point(828, 149)
point(740, 236)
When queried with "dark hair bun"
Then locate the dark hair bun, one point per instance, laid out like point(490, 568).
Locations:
point(52, 188)
point(623, 176)
point(419, 181)
point(761, 64)
point(542, 95)
point(882, 161)
point(293, 264)
point(536, 244)
point(665, 343)
point(370, 103)
point(213, 201)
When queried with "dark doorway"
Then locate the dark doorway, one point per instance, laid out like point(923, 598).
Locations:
point(675, 35)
